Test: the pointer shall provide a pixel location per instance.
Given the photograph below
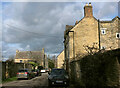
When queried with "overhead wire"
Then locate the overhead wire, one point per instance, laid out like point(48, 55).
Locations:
point(40, 34)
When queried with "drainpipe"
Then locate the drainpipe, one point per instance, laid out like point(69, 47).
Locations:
point(69, 70)
point(99, 33)
point(44, 61)
point(73, 45)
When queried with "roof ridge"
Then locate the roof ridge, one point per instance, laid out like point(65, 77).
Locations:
point(111, 20)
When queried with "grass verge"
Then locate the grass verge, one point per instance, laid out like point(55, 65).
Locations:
point(9, 79)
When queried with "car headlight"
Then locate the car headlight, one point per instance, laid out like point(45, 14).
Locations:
point(66, 77)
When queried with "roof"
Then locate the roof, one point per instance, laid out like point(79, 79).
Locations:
point(29, 55)
point(69, 27)
point(110, 20)
point(60, 53)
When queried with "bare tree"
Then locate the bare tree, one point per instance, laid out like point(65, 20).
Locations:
point(91, 49)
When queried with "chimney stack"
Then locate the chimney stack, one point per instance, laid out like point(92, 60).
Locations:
point(43, 50)
point(76, 22)
point(88, 12)
point(17, 51)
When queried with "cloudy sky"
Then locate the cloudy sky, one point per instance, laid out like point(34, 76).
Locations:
point(36, 25)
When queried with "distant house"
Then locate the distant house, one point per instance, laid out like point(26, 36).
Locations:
point(60, 60)
point(31, 56)
point(54, 58)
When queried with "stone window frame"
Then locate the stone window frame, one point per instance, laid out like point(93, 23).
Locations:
point(103, 47)
point(103, 30)
point(21, 61)
point(118, 34)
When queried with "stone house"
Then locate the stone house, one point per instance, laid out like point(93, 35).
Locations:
point(46, 62)
point(60, 60)
point(31, 56)
point(90, 35)
point(54, 58)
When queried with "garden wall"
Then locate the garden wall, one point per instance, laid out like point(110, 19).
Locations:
point(10, 69)
point(100, 69)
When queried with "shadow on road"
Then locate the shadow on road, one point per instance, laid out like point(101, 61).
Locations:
point(31, 87)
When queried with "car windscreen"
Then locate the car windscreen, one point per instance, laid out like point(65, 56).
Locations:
point(57, 72)
point(23, 70)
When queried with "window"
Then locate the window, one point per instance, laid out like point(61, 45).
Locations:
point(103, 30)
point(117, 35)
point(103, 47)
point(20, 61)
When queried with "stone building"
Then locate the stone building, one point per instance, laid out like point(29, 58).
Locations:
point(60, 60)
point(90, 35)
point(54, 58)
point(46, 62)
point(31, 56)
point(110, 34)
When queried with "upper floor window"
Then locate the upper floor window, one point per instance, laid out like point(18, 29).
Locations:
point(103, 47)
point(117, 35)
point(103, 31)
point(20, 61)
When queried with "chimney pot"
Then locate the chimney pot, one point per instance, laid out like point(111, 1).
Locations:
point(76, 22)
point(86, 4)
point(17, 51)
point(88, 12)
point(90, 4)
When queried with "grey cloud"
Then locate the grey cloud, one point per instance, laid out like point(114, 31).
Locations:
point(46, 20)
point(106, 10)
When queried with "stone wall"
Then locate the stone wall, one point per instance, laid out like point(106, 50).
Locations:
point(109, 39)
point(46, 62)
point(10, 69)
point(100, 69)
point(85, 34)
point(60, 60)
point(14, 67)
point(3, 71)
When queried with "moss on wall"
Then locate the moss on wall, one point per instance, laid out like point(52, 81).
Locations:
point(100, 69)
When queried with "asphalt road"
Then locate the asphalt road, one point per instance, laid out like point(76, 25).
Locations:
point(37, 82)
point(40, 81)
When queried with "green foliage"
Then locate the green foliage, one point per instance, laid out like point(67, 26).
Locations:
point(50, 63)
point(33, 64)
point(11, 68)
point(40, 67)
point(10, 79)
point(100, 69)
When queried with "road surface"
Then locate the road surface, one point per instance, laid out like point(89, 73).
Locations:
point(40, 81)
point(37, 82)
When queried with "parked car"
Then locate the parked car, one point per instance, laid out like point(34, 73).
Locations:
point(47, 70)
point(58, 77)
point(25, 73)
point(36, 72)
point(43, 71)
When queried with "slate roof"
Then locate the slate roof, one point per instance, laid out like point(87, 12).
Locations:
point(110, 20)
point(29, 55)
point(69, 27)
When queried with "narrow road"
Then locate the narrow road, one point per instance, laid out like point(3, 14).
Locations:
point(37, 82)
point(40, 81)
